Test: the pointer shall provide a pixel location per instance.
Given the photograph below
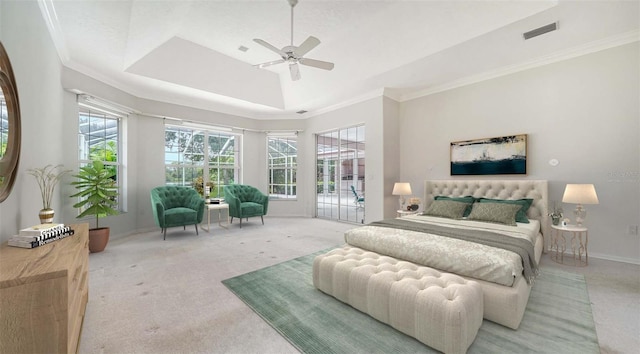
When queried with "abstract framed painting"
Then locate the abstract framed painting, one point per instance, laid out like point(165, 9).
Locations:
point(506, 155)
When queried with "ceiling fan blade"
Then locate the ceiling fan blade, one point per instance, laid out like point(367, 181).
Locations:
point(294, 70)
point(270, 47)
point(325, 65)
point(307, 45)
point(269, 63)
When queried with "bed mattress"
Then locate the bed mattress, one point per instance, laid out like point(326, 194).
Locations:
point(451, 255)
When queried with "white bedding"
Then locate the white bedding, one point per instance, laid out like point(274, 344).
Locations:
point(447, 254)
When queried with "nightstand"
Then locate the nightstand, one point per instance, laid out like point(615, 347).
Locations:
point(402, 213)
point(579, 242)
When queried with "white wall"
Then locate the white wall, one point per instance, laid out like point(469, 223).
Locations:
point(36, 67)
point(585, 112)
point(391, 152)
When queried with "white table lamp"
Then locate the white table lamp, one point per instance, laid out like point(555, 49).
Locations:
point(580, 194)
point(401, 189)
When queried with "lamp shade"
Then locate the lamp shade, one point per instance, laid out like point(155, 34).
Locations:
point(580, 194)
point(401, 188)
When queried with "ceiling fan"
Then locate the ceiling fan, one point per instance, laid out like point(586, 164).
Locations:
point(293, 55)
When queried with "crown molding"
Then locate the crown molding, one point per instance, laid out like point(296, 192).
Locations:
point(588, 48)
point(51, 19)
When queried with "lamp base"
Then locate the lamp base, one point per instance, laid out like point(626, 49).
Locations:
point(580, 214)
point(401, 201)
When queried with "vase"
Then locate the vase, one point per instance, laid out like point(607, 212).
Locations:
point(46, 216)
point(555, 220)
point(98, 239)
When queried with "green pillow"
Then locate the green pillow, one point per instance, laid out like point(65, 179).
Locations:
point(521, 216)
point(468, 199)
point(446, 209)
point(501, 213)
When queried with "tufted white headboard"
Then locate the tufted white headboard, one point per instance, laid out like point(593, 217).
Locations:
point(496, 189)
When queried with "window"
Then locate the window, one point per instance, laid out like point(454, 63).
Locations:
point(99, 139)
point(195, 155)
point(282, 155)
point(340, 174)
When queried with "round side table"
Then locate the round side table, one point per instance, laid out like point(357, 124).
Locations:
point(402, 213)
point(579, 242)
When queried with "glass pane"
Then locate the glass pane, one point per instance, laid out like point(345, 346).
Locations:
point(4, 125)
point(181, 176)
point(340, 174)
point(282, 155)
point(98, 139)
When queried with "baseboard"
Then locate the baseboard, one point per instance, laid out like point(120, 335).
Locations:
point(606, 257)
point(615, 258)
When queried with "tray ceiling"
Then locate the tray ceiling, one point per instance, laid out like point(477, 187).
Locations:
point(187, 52)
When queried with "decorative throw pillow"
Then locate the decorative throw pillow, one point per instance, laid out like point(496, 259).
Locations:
point(467, 199)
point(501, 213)
point(446, 209)
point(521, 216)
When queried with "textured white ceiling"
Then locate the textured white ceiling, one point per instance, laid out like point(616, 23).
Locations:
point(186, 52)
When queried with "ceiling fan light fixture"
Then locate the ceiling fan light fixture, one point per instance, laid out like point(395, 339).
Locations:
point(293, 55)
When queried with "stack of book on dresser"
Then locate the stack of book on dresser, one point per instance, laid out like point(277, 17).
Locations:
point(39, 235)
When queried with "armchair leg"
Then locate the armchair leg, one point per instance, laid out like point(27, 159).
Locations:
point(231, 221)
point(240, 222)
point(165, 233)
point(262, 219)
point(196, 229)
point(184, 227)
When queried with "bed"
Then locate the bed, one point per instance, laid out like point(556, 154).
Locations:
point(504, 262)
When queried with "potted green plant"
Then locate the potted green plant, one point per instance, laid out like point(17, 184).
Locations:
point(198, 185)
point(47, 178)
point(98, 192)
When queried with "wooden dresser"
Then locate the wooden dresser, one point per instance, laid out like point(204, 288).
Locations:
point(43, 295)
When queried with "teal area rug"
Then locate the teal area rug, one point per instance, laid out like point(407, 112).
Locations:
point(558, 317)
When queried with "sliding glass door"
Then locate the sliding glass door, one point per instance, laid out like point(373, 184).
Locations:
point(340, 164)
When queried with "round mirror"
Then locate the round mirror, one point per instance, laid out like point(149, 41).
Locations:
point(9, 126)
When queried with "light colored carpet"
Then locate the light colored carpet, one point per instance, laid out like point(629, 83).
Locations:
point(152, 296)
point(557, 319)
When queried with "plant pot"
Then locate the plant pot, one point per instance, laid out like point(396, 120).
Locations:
point(46, 216)
point(98, 239)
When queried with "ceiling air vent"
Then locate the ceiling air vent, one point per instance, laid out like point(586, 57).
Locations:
point(539, 31)
point(301, 112)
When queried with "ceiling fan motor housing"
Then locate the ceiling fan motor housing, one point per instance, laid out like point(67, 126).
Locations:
point(293, 55)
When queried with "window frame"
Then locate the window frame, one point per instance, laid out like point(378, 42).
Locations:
point(84, 154)
point(290, 167)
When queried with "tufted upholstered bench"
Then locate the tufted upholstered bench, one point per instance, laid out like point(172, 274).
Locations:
point(441, 310)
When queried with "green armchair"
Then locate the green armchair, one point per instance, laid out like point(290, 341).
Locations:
point(176, 206)
point(245, 201)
